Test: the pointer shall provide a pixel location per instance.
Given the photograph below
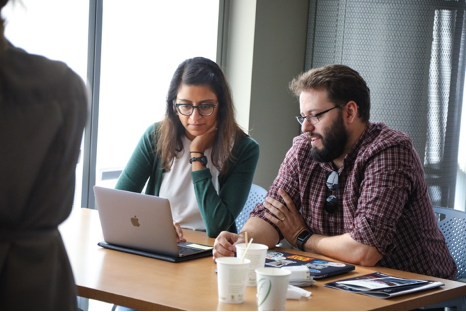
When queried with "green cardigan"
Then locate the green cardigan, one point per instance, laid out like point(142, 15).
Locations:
point(218, 211)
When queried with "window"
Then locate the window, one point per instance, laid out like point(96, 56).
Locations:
point(140, 53)
point(57, 30)
point(134, 47)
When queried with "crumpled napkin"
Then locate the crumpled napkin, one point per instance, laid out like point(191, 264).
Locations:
point(294, 292)
point(299, 276)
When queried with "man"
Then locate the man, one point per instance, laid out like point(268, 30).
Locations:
point(348, 188)
point(43, 108)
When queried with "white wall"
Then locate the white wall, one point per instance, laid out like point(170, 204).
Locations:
point(265, 49)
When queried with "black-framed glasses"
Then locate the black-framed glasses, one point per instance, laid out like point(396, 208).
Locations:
point(188, 109)
point(314, 118)
point(331, 203)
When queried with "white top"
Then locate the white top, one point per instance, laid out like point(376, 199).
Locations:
point(177, 186)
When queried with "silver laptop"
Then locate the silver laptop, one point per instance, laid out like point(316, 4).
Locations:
point(142, 224)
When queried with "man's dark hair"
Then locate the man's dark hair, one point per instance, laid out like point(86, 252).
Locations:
point(342, 83)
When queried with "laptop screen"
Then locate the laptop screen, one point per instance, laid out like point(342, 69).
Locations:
point(136, 220)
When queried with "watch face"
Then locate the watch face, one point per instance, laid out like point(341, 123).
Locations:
point(303, 235)
point(302, 239)
point(202, 159)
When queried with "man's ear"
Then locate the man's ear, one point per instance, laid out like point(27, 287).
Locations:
point(352, 111)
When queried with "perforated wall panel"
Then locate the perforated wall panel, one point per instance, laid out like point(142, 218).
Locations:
point(411, 55)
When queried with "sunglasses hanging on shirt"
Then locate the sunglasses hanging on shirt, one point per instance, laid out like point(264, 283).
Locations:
point(331, 203)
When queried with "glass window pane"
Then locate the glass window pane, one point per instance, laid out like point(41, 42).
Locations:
point(56, 29)
point(142, 44)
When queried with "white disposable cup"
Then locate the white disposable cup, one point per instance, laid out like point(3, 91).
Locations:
point(231, 279)
point(256, 253)
point(272, 286)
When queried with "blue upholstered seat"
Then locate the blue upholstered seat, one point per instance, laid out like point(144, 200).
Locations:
point(256, 195)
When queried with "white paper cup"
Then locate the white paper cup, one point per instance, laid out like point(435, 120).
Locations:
point(231, 279)
point(256, 253)
point(272, 285)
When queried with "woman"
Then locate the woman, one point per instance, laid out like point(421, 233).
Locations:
point(198, 156)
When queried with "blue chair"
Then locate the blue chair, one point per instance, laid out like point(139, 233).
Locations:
point(452, 224)
point(256, 195)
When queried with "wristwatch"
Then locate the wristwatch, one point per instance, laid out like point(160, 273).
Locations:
point(202, 159)
point(302, 239)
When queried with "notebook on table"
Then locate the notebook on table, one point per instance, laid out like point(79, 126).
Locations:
point(318, 268)
point(143, 225)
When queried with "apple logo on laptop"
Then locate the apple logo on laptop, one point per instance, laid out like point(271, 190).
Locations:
point(135, 221)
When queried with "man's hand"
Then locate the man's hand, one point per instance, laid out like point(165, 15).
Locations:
point(224, 244)
point(285, 217)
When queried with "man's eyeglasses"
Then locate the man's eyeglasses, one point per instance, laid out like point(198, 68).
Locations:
point(188, 109)
point(313, 119)
point(331, 203)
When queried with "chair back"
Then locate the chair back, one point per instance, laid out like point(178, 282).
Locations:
point(256, 195)
point(452, 224)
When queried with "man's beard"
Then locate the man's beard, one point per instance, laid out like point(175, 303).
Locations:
point(334, 141)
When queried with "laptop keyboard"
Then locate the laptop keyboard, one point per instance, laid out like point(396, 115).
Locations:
point(184, 250)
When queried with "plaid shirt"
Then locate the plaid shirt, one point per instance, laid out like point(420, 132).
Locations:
point(382, 200)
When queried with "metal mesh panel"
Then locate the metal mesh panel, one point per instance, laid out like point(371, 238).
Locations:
point(410, 54)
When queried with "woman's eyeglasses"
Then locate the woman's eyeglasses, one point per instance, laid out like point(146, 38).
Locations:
point(331, 203)
point(188, 109)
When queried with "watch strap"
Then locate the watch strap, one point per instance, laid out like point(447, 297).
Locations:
point(202, 159)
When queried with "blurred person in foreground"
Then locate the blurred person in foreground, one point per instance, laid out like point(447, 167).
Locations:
point(43, 108)
point(349, 189)
point(197, 156)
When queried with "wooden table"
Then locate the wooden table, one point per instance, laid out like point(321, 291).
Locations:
point(147, 284)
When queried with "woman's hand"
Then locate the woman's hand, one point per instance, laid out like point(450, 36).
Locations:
point(203, 142)
point(179, 232)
